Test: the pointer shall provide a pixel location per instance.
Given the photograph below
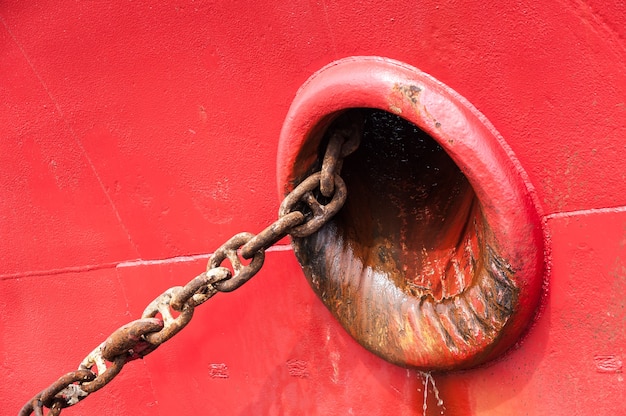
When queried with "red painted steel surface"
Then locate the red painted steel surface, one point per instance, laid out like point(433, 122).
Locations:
point(134, 133)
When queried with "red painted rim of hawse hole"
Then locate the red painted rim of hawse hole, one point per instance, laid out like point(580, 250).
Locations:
point(469, 139)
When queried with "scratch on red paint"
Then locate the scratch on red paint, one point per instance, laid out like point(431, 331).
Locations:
point(72, 134)
point(598, 23)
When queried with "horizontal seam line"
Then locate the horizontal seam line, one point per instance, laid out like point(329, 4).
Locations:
point(584, 212)
point(125, 263)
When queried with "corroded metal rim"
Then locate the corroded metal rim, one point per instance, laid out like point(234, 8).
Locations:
point(506, 200)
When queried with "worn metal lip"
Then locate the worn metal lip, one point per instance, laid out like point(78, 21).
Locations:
point(499, 181)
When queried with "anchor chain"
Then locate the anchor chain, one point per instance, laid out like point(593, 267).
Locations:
point(301, 214)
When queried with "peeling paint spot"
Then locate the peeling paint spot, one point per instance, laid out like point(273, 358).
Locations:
point(218, 370)
point(335, 356)
point(298, 368)
point(402, 92)
point(395, 109)
point(608, 363)
point(410, 91)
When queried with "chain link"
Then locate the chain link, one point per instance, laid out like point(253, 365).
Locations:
point(320, 213)
point(344, 141)
point(300, 215)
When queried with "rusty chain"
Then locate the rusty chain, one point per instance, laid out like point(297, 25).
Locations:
point(140, 337)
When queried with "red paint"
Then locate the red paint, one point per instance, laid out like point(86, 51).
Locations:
point(149, 131)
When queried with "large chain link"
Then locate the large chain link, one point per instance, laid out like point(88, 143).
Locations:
point(301, 214)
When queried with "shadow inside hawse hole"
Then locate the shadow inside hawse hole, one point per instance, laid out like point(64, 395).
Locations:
point(409, 265)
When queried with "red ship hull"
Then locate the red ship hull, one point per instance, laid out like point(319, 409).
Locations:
point(136, 138)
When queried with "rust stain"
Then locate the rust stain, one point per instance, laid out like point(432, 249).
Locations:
point(401, 92)
point(410, 91)
point(409, 266)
